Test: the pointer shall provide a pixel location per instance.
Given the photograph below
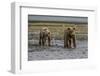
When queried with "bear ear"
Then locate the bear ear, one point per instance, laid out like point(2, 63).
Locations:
point(74, 28)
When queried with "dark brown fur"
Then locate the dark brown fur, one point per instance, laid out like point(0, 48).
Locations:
point(69, 38)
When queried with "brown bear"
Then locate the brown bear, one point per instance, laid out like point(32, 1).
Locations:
point(69, 38)
point(44, 36)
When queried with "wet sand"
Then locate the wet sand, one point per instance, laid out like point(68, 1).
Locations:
point(57, 51)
